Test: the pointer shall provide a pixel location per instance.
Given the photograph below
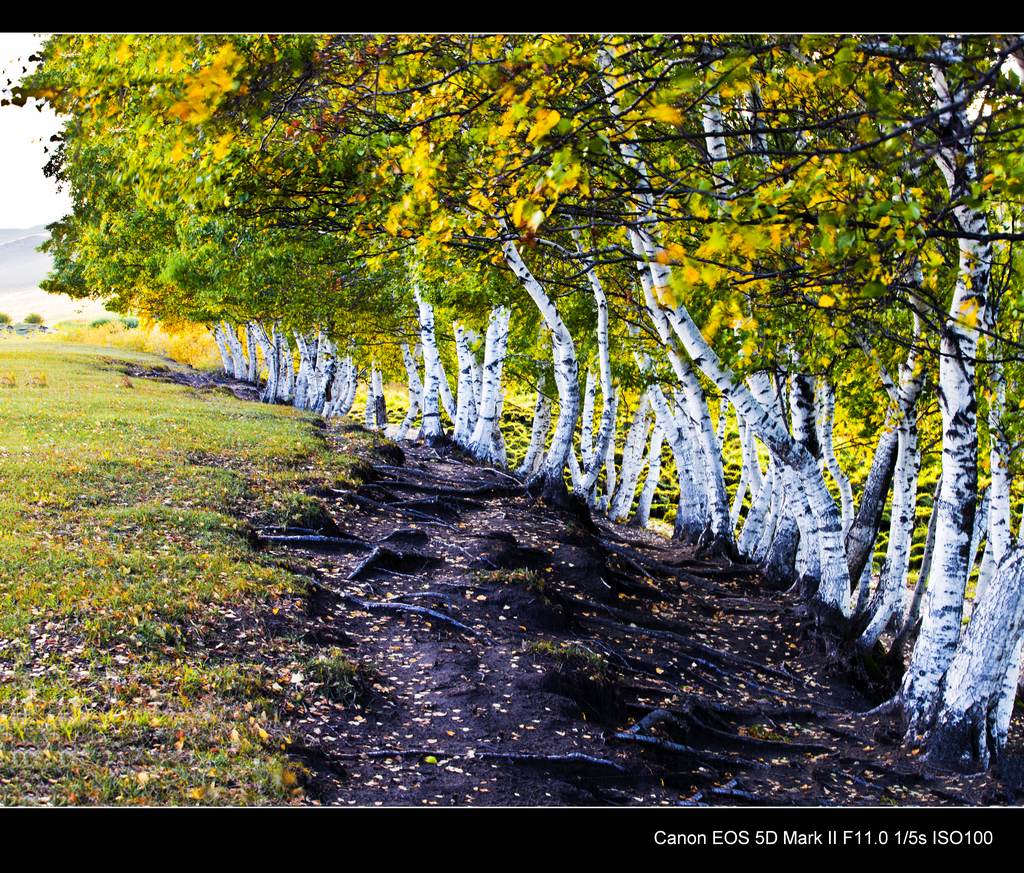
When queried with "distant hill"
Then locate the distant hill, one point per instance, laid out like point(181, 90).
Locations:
point(22, 268)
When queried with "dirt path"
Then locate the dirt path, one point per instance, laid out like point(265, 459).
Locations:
point(511, 654)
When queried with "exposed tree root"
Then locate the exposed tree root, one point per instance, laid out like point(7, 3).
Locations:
point(577, 758)
point(316, 541)
point(370, 503)
point(406, 608)
point(636, 734)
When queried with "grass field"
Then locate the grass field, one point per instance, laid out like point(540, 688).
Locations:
point(126, 504)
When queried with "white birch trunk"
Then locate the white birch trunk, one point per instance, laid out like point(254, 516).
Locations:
point(286, 384)
point(587, 421)
point(370, 407)
point(825, 402)
point(238, 364)
point(610, 472)
point(539, 430)
point(549, 479)
point(893, 579)
point(465, 407)
point(225, 350)
point(632, 461)
point(481, 442)
point(252, 371)
point(606, 432)
point(968, 729)
point(415, 392)
point(448, 403)
point(300, 393)
point(643, 510)
point(346, 395)
point(431, 430)
point(943, 607)
point(269, 350)
point(756, 518)
point(380, 413)
point(342, 390)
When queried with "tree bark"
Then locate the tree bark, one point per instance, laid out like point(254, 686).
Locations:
point(943, 605)
point(549, 481)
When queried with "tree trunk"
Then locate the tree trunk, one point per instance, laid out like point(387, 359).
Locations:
point(252, 372)
point(860, 539)
point(541, 425)
point(481, 442)
point(969, 728)
point(888, 599)
point(286, 358)
point(431, 431)
point(643, 510)
point(549, 481)
point(825, 402)
point(238, 364)
point(220, 338)
point(415, 392)
point(465, 407)
point(943, 606)
point(632, 462)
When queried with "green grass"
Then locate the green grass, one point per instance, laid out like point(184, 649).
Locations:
point(126, 506)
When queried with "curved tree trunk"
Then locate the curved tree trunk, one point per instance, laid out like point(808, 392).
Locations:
point(252, 371)
point(225, 350)
point(270, 361)
point(632, 462)
point(481, 442)
point(415, 392)
point(541, 425)
point(643, 510)
point(286, 383)
point(465, 407)
point(431, 431)
point(943, 606)
point(825, 404)
point(892, 582)
point(238, 363)
point(860, 539)
point(968, 729)
point(549, 481)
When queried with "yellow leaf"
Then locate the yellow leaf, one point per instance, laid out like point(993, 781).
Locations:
point(665, 296)
point(664, 112)
point(222, 146)
point(826, 301)
point(545, 120)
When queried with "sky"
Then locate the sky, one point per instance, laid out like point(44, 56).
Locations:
point(27, 197)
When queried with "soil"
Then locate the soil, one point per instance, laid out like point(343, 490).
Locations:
point(513, 653)
point(569, 637)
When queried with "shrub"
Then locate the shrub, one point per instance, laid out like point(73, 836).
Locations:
point(4, 318)
point(186, 344)
point(33, 318)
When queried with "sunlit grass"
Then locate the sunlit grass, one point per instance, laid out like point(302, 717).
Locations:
point(126, 504)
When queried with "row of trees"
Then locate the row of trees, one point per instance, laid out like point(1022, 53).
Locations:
point(798, 249)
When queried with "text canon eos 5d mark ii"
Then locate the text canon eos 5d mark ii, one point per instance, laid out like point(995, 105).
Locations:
point(826, 838)
point(747, 838)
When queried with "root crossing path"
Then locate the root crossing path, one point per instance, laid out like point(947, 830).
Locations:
point(512, 654)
